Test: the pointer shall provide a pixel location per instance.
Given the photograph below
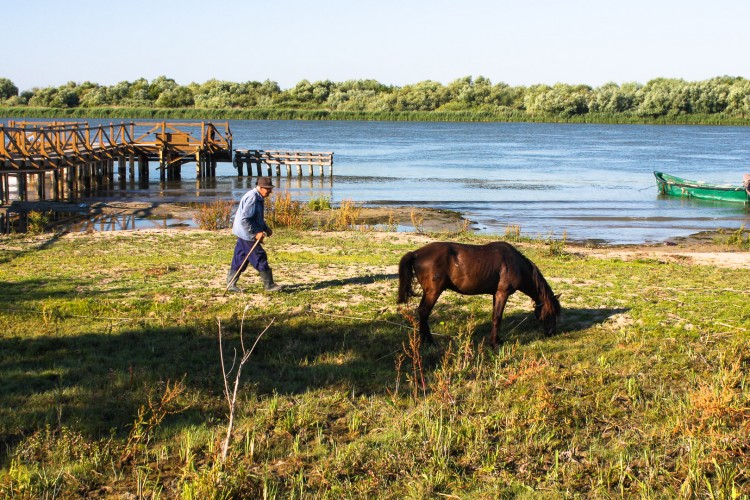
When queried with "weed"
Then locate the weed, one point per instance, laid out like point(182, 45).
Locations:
point(150, 416)
point(739, 238)
point(391, 224)
point(512, 233)
point(556, 247)
point(37, 222)
point(344, 217)
point(417, 220)
point(411, 350)
point(282, 211)
point(319, 203)
point(215, 215)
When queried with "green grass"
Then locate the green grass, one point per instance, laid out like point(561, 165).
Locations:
point(643, 392)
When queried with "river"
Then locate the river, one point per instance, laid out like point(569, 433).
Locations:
point(583, 182)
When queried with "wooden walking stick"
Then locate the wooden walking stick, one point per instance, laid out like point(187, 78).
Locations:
point(241, 266)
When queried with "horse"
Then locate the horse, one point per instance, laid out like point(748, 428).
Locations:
point(497, 269)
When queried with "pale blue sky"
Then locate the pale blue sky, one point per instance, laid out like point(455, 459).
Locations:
point(521, 42)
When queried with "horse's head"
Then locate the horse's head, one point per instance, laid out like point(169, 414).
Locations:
point(547, 313)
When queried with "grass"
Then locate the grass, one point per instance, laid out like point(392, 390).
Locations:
point(112, 382)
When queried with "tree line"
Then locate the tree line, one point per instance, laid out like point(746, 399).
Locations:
point(726, 96)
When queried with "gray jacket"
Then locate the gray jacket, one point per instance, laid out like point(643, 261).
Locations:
point(248, 220)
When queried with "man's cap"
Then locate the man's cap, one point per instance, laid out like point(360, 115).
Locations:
point(264, 182)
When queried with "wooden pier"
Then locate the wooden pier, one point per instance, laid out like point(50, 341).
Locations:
point(64, 160)
point(275, 161)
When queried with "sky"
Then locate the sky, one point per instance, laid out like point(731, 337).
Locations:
point(48, 43)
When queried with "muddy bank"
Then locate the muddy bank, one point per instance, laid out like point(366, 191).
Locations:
point(182, 214)
point(707, 248)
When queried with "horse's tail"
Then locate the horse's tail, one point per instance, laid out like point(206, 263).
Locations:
point(406, 277)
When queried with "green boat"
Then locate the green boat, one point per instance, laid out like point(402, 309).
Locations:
point(675, 186)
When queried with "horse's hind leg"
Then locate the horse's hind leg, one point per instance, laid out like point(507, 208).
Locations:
point(425, 308)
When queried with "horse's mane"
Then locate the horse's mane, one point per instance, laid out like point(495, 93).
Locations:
point(550, 304)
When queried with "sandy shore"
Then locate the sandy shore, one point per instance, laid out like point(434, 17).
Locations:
point(700, 249)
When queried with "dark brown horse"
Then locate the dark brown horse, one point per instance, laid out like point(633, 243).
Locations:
point(497, 269)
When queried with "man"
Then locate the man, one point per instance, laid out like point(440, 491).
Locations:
point(250, 227)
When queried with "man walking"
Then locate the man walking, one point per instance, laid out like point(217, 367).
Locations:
point(250, 228)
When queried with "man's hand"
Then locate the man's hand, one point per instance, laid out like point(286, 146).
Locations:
point(259, 236)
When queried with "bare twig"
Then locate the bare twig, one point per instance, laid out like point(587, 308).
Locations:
point(232, 397)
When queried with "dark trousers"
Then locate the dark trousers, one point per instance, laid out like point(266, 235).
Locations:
point(258, 259)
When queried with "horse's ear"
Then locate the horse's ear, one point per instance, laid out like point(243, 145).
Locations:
point(558, 296)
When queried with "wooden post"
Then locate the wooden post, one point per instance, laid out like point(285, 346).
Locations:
point(72, 183)
point(162, 169)
point(40, 185)
point(56, 184)
point(131, 165)
point(22, 188)
point(237, 162)
point(86, 176)
point(121, 168)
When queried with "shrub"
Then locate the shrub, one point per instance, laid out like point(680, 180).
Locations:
point(319, 203)
point(37, 222)
point(215, 215)
point(739, 238)
point(284, 212)
point(345, 217)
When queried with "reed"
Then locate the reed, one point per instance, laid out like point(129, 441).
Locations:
point(499, 115)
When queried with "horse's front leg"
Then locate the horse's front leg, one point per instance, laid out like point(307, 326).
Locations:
point(425, 308)
point(498, 306)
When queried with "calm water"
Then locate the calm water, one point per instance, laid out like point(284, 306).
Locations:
point(589, 182)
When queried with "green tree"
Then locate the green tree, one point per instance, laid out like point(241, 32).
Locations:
point(738, 100)
point(65, 96)
point(160, 84)
point(176, 97)
point(662, 97)
point(138, 94)
point(612, 98)
point(7, 89)
point(427, 95)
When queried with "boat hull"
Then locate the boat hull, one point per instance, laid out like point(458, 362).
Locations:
point(675, 186)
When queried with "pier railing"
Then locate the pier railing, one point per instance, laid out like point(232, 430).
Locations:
point(63, 159)
point(276, 160)
point(48, 145)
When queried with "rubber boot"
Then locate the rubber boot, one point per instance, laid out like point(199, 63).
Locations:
point(268, 284)
point(232, 281)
